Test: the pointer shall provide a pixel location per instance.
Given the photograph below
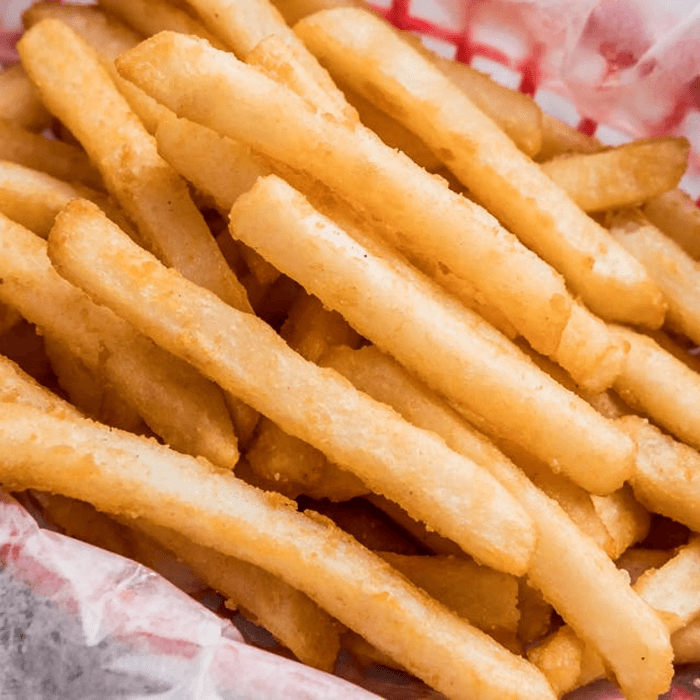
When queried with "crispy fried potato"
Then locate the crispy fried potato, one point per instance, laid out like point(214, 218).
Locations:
point(677, 215)
point(123, 474)
point(20, 103)
point(367, 53)
point(59, 159)
point(568, 568)
point(150, 192)
point(251, 361)
point(621, 177)
point(178, 404)
point(676, 273)
point(149, 17)
point(287, 613)
point(462, 364)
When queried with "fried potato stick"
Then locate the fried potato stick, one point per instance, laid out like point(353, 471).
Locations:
point(667, 477)
point(70, 76)
point(659, 385)
point(20, 103)
point(447, 227)
point(570, 571)
point(108, 37)
point(287, 613)
point(440, 231)
point(672, 591)
point(246, 357)
point(16, 386)
point(366, 53)
point(517, 114)
point(33, 199)
point(149, 17)
point(178, 404)
point(676, 273)
point(125, 475)
point(677, 215)
point(619, 177)
point(398, 309)
point(61, 160)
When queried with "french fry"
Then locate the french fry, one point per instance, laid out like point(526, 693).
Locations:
point(287, 464)
point(108, 37)
point(149, 17)
point(287, 613)
point(660, 386)
point(33, 199)
point(251, 361)
point(17, 386)
point(619, 177)
point(667, 478)
point(677, 215)
point(213, 163)
point(442, 229)
point(428, 538)
point(686, 643)
point(568, 567)
point(286, 63)
point(559, 139)
point(123, 474)
point(671, 591)
point(61, 160)
point(20, 103)
point(369, 55)
point(461, 364)
point(89, 392)
point(517, 114)
point(676, 273)
point(243, 27)
point(149, 191)
point(178, 404)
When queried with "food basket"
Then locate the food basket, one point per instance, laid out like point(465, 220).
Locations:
point(79, 622)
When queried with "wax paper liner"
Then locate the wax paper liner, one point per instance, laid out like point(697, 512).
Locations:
point(79, 622)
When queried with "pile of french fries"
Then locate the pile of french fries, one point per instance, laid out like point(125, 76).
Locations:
point(391, 359)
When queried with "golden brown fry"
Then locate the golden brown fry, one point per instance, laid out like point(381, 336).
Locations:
point(677, 215)
point(246, 357)
point(568, 568)
point(213, 163)
point(152, 16)
point(61, 160)
point(90, 392)
point(443, 233)
point(686, 643)
point(660, 386)
point(108, 37)
point(20, 103)
point(676, 273)
point(667, 477)
point(243, 26)
point(368, 54)
point(33, 199)
point(185, 409)
point(287, 613)
point(621, 177)
point(397, 308)
point(149, 191)
point(559, 139)
point(517, 114)
point(442, 226)
point(17, 386)
point(123, 474)
point(671, 590)
point(285, 63)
